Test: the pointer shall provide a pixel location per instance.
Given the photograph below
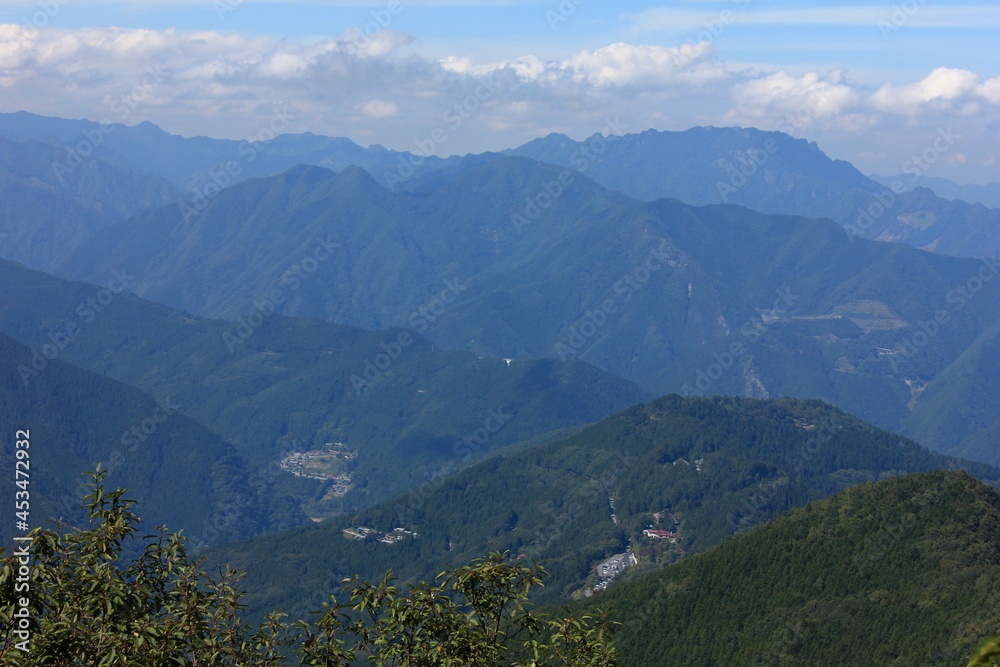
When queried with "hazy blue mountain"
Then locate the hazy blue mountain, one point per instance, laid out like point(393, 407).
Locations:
point(772, 172)
point(47, 210)
point(714, 299)
point(766, 171)
point(199, 165)
point(273, 385)
point(958, 406)
point(987, 194)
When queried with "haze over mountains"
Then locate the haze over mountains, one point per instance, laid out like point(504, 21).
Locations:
point(768, 171)
point(716, 299)
point(480, 342)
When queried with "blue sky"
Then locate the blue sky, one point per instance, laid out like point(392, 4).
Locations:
point(872, 83)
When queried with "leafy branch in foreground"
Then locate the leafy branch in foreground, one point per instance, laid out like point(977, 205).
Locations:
point(90, 605)
point(988, 653)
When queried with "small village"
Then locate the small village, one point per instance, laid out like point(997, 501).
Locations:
point(329, 465)
point(666, 528)
point(392, 537)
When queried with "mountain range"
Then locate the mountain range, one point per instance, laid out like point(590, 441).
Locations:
point(771, 172)
point(739, 392)
point(401, 405)
point(673, 297)
point(701, 468)
point(987, 194)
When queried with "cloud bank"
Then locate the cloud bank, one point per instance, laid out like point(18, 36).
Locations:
point(379, 88)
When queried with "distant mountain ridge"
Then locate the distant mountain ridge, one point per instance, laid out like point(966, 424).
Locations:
point(714, 299)
point(194, 163)
point(772, 172)
point(769, 172)
point(987, 194)
point(45, 212)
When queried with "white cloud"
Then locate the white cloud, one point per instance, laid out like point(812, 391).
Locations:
point(990, 90)
point(808, 98)
point(378, 109)
point(946, 16)
point(646, 66)
point(939, 90)
point(225, 84)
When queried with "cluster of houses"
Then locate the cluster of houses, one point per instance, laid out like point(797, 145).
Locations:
point(393, 536)
point(698, 463)
point(309, 465)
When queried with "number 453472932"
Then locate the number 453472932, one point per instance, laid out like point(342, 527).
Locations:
point(22, 471)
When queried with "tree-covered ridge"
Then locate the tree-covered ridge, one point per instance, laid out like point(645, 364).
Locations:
point(407, 408)
point(74, 597)
point(189, 476)
point(716, 465)
point(899, 572)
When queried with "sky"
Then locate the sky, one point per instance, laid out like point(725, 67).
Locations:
point(904, 86)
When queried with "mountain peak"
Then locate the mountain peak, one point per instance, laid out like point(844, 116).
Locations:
point(355, 176)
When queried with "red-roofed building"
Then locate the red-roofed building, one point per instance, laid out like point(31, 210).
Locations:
point(660, 534)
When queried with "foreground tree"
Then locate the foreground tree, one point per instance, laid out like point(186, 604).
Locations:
point(90, 605)
point(988, 653)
